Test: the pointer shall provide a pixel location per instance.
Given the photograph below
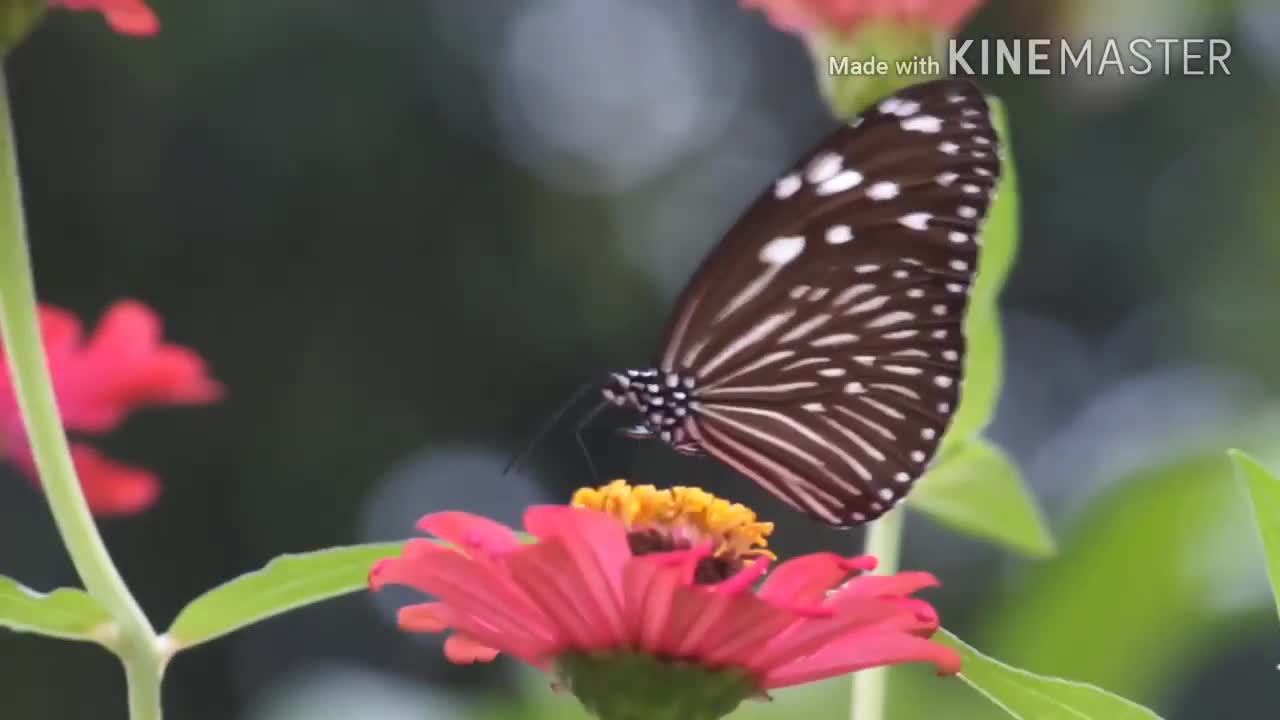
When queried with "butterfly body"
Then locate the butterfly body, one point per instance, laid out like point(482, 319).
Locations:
point(819, 348)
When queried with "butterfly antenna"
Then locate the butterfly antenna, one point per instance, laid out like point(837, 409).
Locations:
point(582, 426)
point(549, 424)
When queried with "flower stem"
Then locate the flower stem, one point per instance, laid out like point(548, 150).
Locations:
point(871, 687)
point(28, 369)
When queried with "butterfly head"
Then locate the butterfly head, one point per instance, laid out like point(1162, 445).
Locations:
point(665, 401)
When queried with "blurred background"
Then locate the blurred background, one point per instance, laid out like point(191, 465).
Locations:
point(403, 232)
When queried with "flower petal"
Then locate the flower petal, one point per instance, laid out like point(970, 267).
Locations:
point(462, 650)
point(807, 637)
point(470, 532)
point(124, 366)
point(568, 593)
point(110, 488)
point(432, 617)
point(848, 15)
point(477, 596)
point(129, 17)
point(597, 544)
point(649, 590)
point(899, 585)
point(806, 579)
point(859, 651)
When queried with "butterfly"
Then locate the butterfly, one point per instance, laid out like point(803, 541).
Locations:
point(818, 349)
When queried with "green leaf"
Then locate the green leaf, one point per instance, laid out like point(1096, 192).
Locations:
point(978, 490)
point(68, 613)
point(1157, 566)
point(1029, 696)
point(1264, 496)
point(983, 377)
point(1002, 229)
point(286, 583)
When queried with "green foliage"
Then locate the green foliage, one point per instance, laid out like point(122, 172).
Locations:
point(67, 613)
point(978, 491)
point(1139, 592)
point(1028, 696)
point(285, 583)
point(1001, 233)
point(983, 376)
point(1264, 496)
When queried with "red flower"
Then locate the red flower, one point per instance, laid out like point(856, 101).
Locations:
point(585, 590)
point(847, 15)
point(130, 17)
point(121, 367)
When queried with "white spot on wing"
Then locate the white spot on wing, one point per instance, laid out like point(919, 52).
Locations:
point(787, 186)
point(949, 147)
point(823, 167)
point(902, 390)
point(836, 339)
point(839, 234)
point(891, 318)
point(804, 328)
point(883, 190)
point(782, 250)
point(845, 180)
point(899, 107)
point(922, 123)
point(874, 303)
point(852, 292)
point(902, 369)
point(916, 220)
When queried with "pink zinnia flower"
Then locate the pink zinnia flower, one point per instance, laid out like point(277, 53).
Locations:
point(129, 17)
point(123, 366)
point(666, 577)
point(847, 15)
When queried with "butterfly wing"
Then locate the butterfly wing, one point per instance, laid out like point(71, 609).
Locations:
point(824, 331)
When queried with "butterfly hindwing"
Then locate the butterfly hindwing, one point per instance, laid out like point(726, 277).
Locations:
point(821, 341)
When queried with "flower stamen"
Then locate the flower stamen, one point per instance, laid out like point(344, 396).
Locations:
point(681, 518)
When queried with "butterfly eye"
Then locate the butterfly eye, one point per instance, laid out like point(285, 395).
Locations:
point(822, 339)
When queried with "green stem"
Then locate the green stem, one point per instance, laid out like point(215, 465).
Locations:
point(29, 373)
point(144, 675)
point(871, 687)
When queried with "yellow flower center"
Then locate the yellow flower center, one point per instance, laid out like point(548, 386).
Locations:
point(681, 518)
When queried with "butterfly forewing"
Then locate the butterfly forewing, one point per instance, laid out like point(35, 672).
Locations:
point(824, 333)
